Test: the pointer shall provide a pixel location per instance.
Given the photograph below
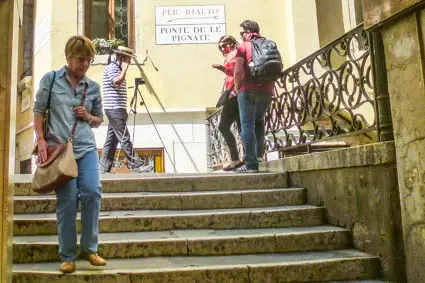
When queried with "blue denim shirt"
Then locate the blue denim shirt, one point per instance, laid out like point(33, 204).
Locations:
point(62, 102)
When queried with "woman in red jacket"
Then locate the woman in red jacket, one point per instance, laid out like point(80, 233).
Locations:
point(228, 46)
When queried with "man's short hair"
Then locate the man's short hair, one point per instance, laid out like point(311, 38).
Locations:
point(79, 45)
point(251, 26)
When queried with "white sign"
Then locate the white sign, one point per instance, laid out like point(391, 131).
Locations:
point(189, 24)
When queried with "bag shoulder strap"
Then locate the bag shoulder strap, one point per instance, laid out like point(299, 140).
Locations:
point(83, 99)
point(50, 90)
point(47, 110)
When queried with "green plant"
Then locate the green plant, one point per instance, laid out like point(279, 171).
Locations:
point(105, 46)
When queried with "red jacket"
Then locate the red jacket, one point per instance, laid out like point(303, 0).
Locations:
point(229, 69)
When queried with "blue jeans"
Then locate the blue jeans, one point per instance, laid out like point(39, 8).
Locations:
point(86, 189)
point(252, 109)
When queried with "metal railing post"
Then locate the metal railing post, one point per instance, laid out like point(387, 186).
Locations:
point(382, 97)
point(208, 145)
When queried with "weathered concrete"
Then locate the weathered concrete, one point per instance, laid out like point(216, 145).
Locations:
point(271, 236)
point(186, 200)
point(359, 156)
point(299, 267)
point(125, 183)
point(358, 187)
point(193, 243)
point(378, 12)
point(160, 220)
point(404, 42)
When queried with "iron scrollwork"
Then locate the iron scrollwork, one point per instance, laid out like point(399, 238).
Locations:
point(218, 150)
point(121, 16)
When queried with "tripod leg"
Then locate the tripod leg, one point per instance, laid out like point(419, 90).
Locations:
point(156, 129)
point(123, 134)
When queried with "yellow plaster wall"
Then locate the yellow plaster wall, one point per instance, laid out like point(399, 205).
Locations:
point(43, 56)
point(305, 35)
point(185, 78)
point(64, 25)
point(330, 20)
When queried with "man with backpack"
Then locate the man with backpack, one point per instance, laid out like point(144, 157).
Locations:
point(258, 65)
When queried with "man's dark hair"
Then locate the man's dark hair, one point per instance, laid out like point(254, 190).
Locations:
point(251, 26)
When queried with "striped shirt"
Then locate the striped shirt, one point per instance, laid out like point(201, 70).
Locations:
point(113, 97)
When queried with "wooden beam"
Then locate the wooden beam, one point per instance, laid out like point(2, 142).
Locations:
point(110, 15)
point(131, 27)
point(88, 18)
point(9, 26)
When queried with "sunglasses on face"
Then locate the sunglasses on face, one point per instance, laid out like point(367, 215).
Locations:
point(223, 46)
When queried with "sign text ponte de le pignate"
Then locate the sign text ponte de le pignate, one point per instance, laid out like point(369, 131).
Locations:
point(189, 24)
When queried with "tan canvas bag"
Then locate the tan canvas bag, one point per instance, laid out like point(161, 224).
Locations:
point(60, 166)
point(59, 169)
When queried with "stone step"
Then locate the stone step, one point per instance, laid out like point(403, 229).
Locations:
point(28, 249)
point(290, 267)
point(152, 182)
point(163, 220)
point(183, 200)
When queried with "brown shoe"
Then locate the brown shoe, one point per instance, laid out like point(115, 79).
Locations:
point(67, 267)
point(94, 259)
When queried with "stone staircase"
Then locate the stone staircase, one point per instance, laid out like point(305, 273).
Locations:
point(193, 228)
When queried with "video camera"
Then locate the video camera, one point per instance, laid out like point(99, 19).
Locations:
point(139, 81)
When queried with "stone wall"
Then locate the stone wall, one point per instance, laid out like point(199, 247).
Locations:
point(404, 41)
point(359, 188)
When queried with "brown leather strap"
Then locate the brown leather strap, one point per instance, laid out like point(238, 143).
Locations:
point(83, 98)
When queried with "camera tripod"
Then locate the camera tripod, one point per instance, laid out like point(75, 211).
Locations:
point(133, 109)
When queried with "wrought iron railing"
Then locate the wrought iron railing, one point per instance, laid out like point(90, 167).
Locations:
point(218, 152)
point(328, 95)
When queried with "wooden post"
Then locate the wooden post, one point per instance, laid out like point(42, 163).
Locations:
point(131, 26)
point(9, 25)
point(110, 12)
point(88, 18)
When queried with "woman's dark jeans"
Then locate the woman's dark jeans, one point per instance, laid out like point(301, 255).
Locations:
point(230, 114)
